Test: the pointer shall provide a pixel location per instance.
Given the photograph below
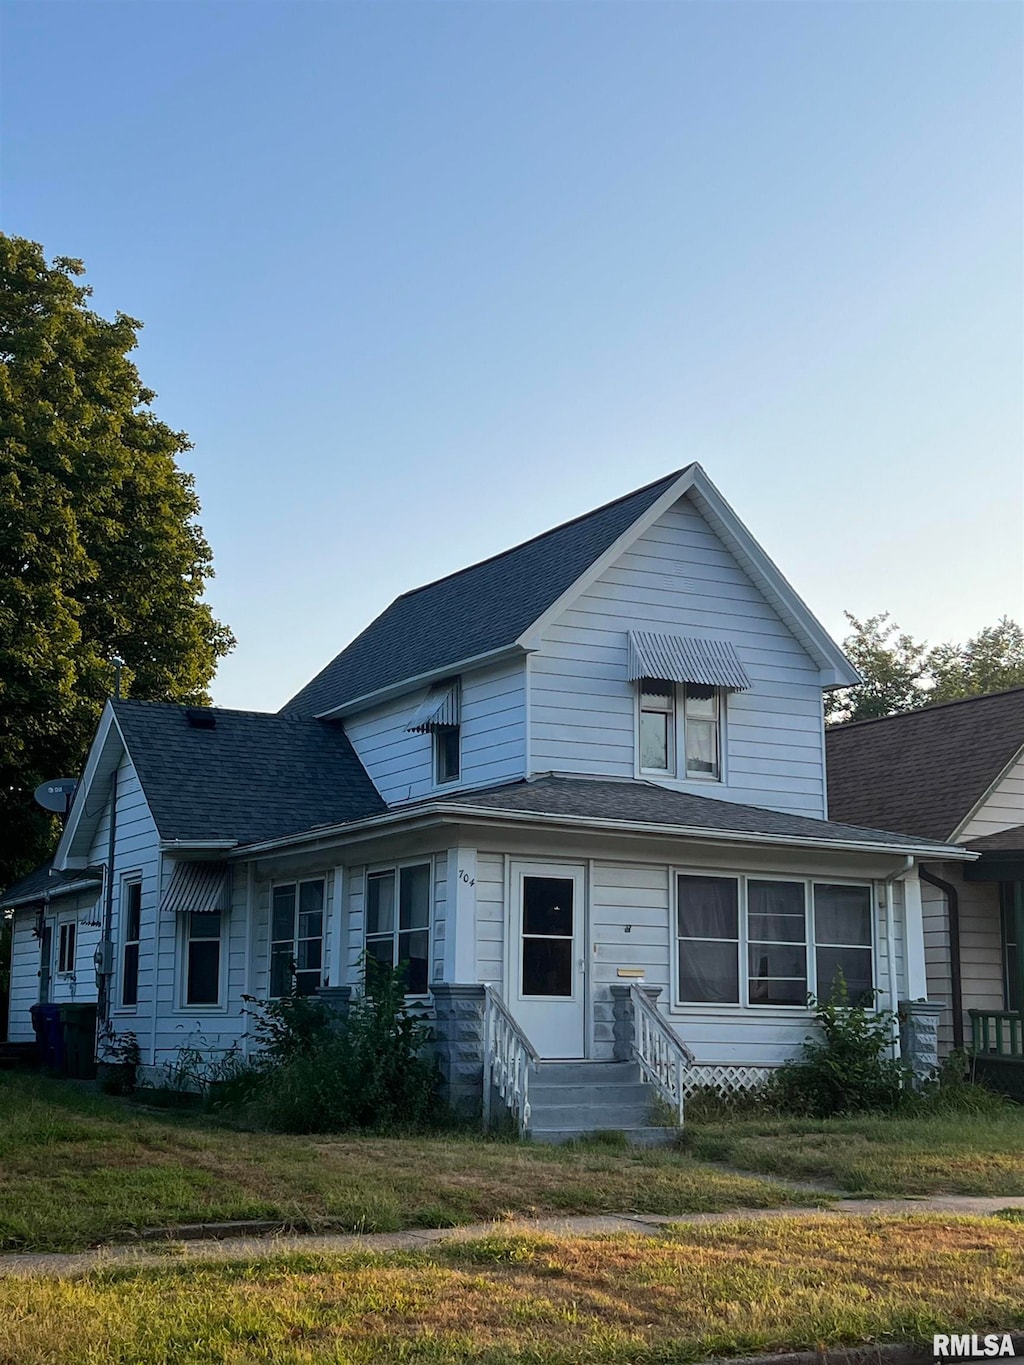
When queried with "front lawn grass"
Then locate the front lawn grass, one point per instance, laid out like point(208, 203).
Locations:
point(77, 1168)
point(688, 1294)
point(877, 1154)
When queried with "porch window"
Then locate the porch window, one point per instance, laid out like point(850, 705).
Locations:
point(66, 947)
point(296, 938)
point(398, 922)
point(657, 725)
point(131, 935)
point(777, 942)
point(842, 938)
point(786, 938)
point(709, 940)
point(202, 958)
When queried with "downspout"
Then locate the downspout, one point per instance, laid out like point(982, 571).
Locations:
point(890, 941)
point(955, 971)
point(106, 951)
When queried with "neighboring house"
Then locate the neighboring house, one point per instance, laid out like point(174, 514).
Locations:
point(586, 773)
point(953, 772)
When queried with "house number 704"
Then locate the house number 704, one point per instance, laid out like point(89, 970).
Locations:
point(465, 877)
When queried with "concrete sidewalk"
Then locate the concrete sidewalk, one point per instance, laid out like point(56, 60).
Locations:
point(243, 1248)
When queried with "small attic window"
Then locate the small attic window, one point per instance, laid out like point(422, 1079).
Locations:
point(200, 717)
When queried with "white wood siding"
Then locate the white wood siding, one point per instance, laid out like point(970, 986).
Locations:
point(136, 853)
point(493, 737)
point(78, 985)
point(1002, 809)
point(680, 578)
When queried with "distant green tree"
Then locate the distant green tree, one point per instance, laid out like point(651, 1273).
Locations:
point(100, 553)
point(901, 674)
point(989, 662)
point(892, 666)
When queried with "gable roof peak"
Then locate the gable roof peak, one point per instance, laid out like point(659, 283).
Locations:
point(663, 483)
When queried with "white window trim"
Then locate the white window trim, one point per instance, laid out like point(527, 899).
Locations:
point(676, 774)
point(296, 882)
point(181, 956)
point(395, 866)
point(743, 1006)
point(127, 879)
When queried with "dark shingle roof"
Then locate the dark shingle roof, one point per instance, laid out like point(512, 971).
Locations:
point(475, 611)
point(38, 882)
point(1005, 841)
point(645, 802)
point(254, 776)
point(923, 771)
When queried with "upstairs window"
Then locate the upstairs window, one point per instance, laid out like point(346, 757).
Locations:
point(131, 934)
point(701, 706)
point(447, 754)
point(296, 938)
point(657, 725)
point(440, 716)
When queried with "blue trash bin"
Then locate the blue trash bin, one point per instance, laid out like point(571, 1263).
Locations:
point(49, 1031)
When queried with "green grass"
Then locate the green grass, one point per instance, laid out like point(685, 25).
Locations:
point(877, 1155)
point(682, 1296)
point(77, 1168)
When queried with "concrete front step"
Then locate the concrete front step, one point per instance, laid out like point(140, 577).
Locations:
point(641, 1135)
point(576, 1099)
point(611, 1093)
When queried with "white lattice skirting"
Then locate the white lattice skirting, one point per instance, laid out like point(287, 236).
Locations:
point(727, 1080)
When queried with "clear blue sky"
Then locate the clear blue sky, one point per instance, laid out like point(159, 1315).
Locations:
point(422, 280)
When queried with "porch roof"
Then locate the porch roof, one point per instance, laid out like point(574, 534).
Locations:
point(639, 802)
point(43, 881)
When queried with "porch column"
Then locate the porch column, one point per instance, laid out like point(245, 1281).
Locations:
point(459, 1045)
point(919, 1039)
point(460, 917)
point(913, 939)
point(336, 962)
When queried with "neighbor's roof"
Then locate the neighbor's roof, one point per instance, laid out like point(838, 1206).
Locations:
point(42, 881)
point(476, 611)
point(1005, 841)
point(923, 771)
point(639, 802)
point(253, 776)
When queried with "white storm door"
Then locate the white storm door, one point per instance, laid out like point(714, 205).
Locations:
point(547, 957)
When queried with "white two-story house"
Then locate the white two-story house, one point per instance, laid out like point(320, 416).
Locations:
point(579, 789)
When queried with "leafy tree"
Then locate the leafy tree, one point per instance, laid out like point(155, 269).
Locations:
point(100, 553)
point(892, 666)
point(990, 661)
point(901, 673)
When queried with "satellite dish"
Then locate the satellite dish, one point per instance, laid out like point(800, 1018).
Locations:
point(56, 795)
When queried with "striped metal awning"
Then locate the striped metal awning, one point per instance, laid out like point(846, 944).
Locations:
point(440, 710)
point(197, 889)
point(684, 659)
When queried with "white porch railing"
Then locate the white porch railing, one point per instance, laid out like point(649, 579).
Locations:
point(509, 1057)
point(663, 1057)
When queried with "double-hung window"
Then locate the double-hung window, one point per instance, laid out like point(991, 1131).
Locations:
point(680, 729)
point(131, 893)
point(447, 746)
point(202, 957)
point(66, 947)
point(297, 937)
point(657, 726)
point(398, 922)
point(771, 941)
